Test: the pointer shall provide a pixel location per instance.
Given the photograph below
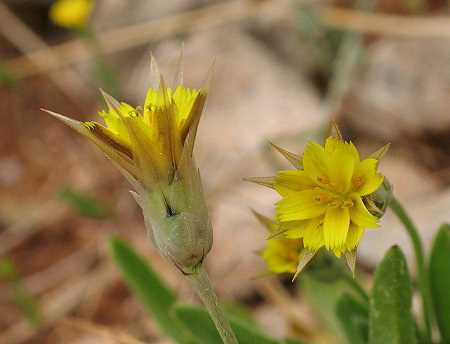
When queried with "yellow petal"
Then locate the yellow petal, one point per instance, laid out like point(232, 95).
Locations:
point(341, 168)
point(360, 216)
point(281, 255)
point(335, 227)
point(354, 235)
point(313, 235)
point(366, 180)
point(315, 162)
point(297, 229)
point(331, 143)
point(292, 180)
point(299, 206)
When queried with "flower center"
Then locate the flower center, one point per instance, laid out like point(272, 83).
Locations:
point(333, 199)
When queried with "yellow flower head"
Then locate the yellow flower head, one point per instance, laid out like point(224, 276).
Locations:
point(281, 254)
point(71, 13)
point(324, 201)
point(152, 146)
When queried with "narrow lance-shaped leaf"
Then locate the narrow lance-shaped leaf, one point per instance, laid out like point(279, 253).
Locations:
point(391, 320)
point(202, 327)
point(440, 281)
point(354, 319)
point(155, 296)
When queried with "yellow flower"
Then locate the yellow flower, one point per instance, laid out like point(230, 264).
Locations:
point(152, 146)
point(281, 254)
point(71, 13)
point(324, 201)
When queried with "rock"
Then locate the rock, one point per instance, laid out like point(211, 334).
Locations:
point(402, 88)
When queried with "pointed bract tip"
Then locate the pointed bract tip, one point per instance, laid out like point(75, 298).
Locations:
point(154, 73)
point(209, 76)
point(335, 132)
point(72, 123)
point(110, 101)
point(179, 74)
point(136, 197)
point(276, 234)
point(304, 258)
point(350, 260)
point(264, 220)
point(264, 181)
point(293, 158)
point(380, 153)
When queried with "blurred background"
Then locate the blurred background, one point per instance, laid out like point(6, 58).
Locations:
point(283, 70)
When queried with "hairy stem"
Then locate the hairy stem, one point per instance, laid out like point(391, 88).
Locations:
point(202, 286)
point(422, 276)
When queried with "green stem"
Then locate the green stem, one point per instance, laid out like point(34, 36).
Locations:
point(422, 278)
point(202, 286)
point(355, 286)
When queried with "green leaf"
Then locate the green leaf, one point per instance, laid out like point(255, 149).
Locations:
point(440, 280)
point(391, 320)
point(202, 327)
point(354, 319)
point(85, 204)
point(322, 295)
point(155, 296)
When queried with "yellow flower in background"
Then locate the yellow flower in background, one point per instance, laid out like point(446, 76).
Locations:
point(281, 254)
point(325, 200)
point(71, 13)
point(152, 146)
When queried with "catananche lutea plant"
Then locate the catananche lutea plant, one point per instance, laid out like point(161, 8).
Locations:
point(152, 146)
point(329, 200)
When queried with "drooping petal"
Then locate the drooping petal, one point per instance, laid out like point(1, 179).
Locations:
point(366, 180)
point(360, 216)
point(289, 181)
point(335, 227)
point(299, 206)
